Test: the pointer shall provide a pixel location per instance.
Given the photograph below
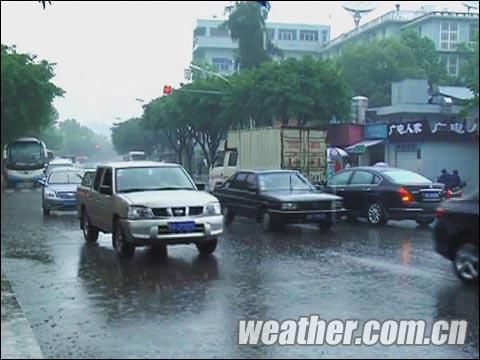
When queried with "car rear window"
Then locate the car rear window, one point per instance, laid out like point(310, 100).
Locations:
point(406, 177)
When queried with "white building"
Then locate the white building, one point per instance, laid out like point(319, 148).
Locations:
point(212, 43)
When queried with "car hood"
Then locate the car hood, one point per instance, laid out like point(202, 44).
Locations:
point(169, 198)
point(63, 187)
point(300, 196)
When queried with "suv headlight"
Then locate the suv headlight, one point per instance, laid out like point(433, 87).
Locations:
point(212, 209)
point(139, 212)
point(50, 194)
point(289, 206)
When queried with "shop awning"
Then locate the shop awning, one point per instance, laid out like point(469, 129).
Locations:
point(360, 148)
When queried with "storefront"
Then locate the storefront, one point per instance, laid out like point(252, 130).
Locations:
point(428, 147)
point(371, 149)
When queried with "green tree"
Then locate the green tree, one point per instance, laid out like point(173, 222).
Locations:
point(247, 25)
point(130, 135)
point(52, 138)
point(370, 69)
point(469, 71)
point(202, 114)
point(308, 90)
point(425, 55)
point(163, 115)
point(27, 94)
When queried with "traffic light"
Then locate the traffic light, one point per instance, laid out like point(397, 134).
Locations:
point(167, 90)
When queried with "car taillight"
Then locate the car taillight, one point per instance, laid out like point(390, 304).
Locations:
point(440, 213)
point(405, 195)
point(449, 194)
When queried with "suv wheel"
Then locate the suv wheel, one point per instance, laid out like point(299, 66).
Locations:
point(206, 247)
point(376, 214)
point(122, 247)
point(465, 263)
point(90, 233)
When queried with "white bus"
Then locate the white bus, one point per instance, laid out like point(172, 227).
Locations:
point(25, 160)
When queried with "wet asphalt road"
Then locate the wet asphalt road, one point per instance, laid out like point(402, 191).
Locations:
point(82, 301)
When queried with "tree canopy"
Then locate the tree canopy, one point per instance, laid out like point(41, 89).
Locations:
point(27, 94)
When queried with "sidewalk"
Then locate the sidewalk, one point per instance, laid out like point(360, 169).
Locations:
point(18, 340)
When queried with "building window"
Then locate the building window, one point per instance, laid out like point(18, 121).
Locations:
point(222, 64)
point(308, 35)
point(448, 35)
point(284, 34)
point(451, 63)
point(200, 31)
point(270, 34)
point(473, 33)
point(324, 36)
point(218, 32)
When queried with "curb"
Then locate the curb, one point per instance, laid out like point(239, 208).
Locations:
point(17, 338)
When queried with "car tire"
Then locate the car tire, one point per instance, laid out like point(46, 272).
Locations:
point(424, 222)
point(46, 212)
point(122, 247)
point(325, 225)
point(376, 214)
point(228, 215)
point(465, 263)
point(90, 233)
point(270, 224)
point(206, 247)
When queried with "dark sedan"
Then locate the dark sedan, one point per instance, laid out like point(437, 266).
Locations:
point(455, 235)
point(277, 198)
point(384, 193)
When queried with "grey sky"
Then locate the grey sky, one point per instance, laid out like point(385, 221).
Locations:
point(109, 53)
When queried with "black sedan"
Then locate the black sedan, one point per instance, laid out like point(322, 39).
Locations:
point(384, 193)
point(277, 198)
point(455, 235)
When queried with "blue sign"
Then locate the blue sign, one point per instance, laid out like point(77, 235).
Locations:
point(375, 131)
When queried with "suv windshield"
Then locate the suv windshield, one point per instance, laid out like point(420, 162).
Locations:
point(283, 181)
point(152, 178)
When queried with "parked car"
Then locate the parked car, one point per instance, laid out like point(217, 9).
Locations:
point(144, 203)
point(277, 198)
point(455, 235)
point(60, 189)
point(384, 193)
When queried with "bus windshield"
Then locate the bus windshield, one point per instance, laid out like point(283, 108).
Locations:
point(28, 152)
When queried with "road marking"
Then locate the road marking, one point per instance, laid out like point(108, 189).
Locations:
point(10, 191)
point(25, 190)
point(39, 190)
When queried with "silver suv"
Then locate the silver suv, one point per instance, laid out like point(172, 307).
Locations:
point(145, 203)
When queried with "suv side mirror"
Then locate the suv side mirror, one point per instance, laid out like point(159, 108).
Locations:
point(320, 185)
point(106, 190)
point(200, 186)
point(252, 189)
point(41, 182)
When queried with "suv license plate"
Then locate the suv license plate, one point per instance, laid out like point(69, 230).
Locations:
point(186, 226)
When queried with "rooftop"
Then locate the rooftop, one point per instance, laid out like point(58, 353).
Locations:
point(136, 164)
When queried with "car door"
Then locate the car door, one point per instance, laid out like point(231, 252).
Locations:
point(252, 198)
point(92, 199)
point(337, 183)
point(105, 201)
point(233, 195)
point(360, 189)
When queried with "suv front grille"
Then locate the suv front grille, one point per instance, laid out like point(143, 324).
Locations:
point(178, 211)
